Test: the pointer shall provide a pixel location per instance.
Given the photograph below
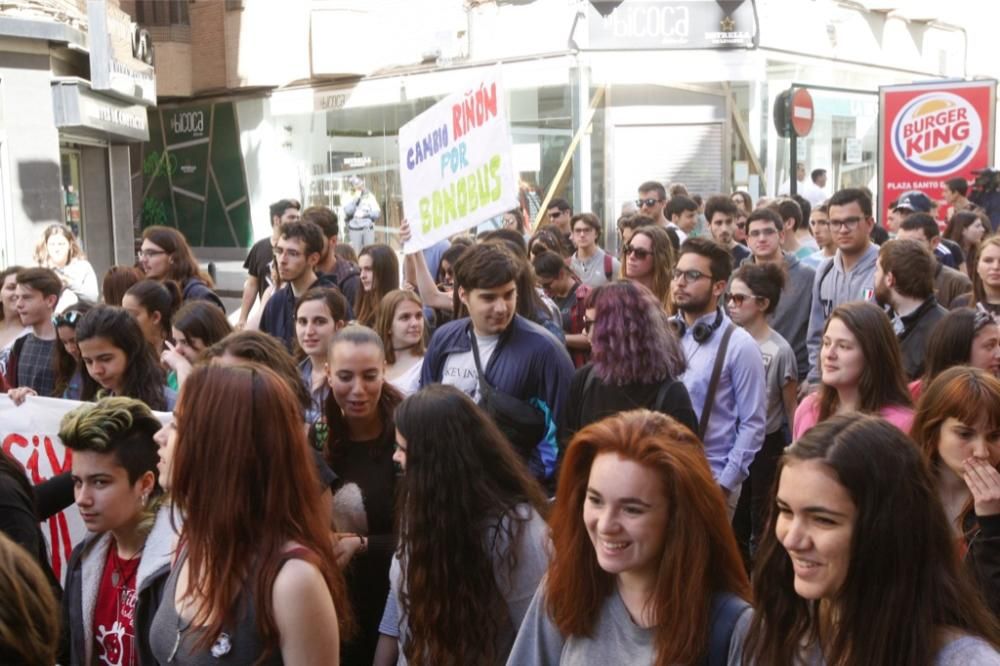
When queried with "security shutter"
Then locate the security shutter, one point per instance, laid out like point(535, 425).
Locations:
point(689, 154)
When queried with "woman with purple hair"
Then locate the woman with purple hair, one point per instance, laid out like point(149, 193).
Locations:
point(635, 360)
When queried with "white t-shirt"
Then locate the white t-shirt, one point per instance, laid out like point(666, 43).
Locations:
point(460, 369)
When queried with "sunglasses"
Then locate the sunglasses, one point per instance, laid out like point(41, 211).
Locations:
point(66, 319)
point(648, 203)
point(689, 276)
point(638, 252)
point(740, 299)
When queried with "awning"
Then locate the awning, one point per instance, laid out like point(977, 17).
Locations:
point(83, 111)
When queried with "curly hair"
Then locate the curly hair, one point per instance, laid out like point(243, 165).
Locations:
point(143, 378)
point(632, 342)
point(461, 518)
point(42, 249)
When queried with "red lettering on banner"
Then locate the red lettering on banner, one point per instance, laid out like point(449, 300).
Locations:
point(62, 545)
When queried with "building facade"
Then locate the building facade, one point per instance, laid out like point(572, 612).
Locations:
point(75, 81)
point(259, 101)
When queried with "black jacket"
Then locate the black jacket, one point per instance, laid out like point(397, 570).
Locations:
point(917, 328)
point(983, 557)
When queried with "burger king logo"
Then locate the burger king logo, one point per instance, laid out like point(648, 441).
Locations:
point(936, 133)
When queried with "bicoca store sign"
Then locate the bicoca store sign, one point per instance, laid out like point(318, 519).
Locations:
point(929, 133)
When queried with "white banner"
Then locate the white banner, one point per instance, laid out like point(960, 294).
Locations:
point(455, 163)
point(30, 433)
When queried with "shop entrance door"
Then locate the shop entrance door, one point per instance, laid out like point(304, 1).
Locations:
point(689, 153)
point(71, 191)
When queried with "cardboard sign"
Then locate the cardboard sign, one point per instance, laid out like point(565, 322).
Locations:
point(931, 132)
point(30, 433)
point(455, 163)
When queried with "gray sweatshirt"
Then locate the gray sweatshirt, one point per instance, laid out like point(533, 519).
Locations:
point(833, 286)
point(791, 318)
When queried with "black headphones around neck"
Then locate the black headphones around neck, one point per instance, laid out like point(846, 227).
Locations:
point(701, 331)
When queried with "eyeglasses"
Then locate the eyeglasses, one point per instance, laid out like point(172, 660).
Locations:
point(759, 233)
point(848, 223)
point(740, 299)
point(579, 231)
point(741, 225)
point(149, 254)
point(588, 324)
point(639, 253)
point(554, 214)
point(66, 319)
point(689, 276)
point(648, 203)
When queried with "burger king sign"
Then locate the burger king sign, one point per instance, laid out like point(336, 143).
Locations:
point(932, 132)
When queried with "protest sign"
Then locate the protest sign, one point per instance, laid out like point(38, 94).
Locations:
point(455, 163)
point(30, 434)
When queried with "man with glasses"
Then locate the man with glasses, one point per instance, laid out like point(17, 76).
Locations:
point(261, 255)
point(651, 202)
point(299, 247)
point(725, 373)
point(766, 236)
point(591, 264)
point(559, 214)
point(850, 274)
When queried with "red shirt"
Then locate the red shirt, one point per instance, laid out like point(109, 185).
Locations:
point(114, 635)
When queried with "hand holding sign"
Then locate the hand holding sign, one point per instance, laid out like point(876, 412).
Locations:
point(456, 168)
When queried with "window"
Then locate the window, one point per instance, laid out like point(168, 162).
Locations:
point(162, 12)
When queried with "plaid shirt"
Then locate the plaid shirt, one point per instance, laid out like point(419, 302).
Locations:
point(34, 365)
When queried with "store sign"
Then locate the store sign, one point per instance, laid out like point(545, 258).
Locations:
point(929, 133)
point(77, 107)
point(455, 162)
point(660, 24)
point(121, 54)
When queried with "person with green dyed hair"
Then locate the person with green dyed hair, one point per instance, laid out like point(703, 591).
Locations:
point(116, 574)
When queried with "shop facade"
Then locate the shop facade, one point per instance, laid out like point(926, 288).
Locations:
point(670, 91)
point(70, 108)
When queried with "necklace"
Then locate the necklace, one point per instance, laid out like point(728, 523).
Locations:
point(117, 575)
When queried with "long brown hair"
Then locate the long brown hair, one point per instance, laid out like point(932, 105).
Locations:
point(42, 249)
point(266, 494)
point(964, 393)
point(882, 381)
point(183, 265)
point(902, 559)
point(385, 278)
point(462, 518)
point(664, 261)
point(29, 622)
point(387, 314)
point(700, 557)
point(978, 289)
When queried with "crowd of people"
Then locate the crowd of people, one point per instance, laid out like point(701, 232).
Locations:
point(762, 433)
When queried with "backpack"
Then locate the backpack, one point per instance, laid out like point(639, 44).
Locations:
point(608, 267)
point(661, 393)
point(723, 616)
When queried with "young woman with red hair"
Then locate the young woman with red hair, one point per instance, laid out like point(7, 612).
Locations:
point(255, 579)
point(645, 568)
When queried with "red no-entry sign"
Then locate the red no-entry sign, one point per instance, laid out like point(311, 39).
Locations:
point(802, 112)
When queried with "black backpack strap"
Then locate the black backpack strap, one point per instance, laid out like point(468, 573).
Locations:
point(589, 382)
point(713, 383)
point(661, 395)
point(484, 386)
point(725, 613)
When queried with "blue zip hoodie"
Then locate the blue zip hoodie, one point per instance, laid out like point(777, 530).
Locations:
point(528, 364)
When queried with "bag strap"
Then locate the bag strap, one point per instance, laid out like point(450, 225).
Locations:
point(484, 386)
point(661, 395)
point(713, 383)
point(608, 266)
point(725, 613)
